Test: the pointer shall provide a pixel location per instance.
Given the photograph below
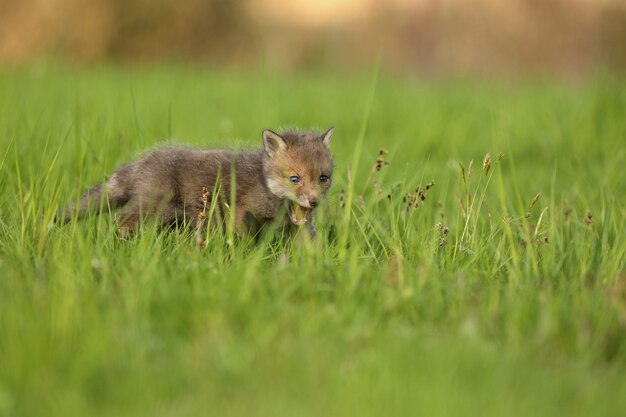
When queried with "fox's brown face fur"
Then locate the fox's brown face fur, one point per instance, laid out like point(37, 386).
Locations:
point(298, 167)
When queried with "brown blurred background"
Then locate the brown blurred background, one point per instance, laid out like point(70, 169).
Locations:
point(431, 36)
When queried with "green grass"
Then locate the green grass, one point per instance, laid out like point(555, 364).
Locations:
point(520, 309)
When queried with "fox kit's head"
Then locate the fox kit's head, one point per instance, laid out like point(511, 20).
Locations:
point(298, 167)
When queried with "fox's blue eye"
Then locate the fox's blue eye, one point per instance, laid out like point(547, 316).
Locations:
point(295, 179)
point(323, 178)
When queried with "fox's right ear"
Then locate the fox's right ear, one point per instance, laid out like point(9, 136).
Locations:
point(273, 143)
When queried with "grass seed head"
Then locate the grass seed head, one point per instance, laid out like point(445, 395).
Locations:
point(380, 161)
point(567, 212)
point(487, 163)
point(205, 200)
point(411, 201)
point(535, 199)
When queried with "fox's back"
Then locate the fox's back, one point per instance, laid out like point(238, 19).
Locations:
point(183, 172)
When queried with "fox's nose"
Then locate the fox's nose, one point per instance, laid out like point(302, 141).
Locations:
point(313, 202)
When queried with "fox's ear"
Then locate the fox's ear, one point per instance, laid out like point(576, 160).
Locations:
point(326, 136)
point(273, 143)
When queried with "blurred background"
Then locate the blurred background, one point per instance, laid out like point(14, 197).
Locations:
point(505, 37)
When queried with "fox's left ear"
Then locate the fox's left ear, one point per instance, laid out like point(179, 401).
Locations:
point(326, 136)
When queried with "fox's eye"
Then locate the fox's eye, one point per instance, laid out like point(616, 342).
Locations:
point(323, 178)
point(294, 179)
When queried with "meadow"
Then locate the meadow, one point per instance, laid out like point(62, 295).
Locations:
point(469, 258)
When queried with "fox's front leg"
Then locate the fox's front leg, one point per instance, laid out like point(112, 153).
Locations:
point(241, 224)
point(310, 225)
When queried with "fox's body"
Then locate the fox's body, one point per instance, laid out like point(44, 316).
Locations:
point(288, 177)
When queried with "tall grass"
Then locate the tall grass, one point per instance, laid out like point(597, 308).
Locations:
point(473, 266)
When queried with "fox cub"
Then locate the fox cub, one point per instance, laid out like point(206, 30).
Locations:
point(284, 181)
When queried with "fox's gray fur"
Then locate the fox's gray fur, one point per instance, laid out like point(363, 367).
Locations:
point(288, 176)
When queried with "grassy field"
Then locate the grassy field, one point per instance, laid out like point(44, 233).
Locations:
point(499, 290)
